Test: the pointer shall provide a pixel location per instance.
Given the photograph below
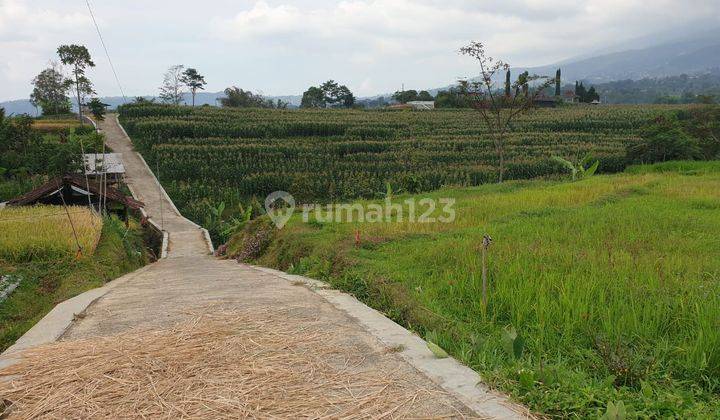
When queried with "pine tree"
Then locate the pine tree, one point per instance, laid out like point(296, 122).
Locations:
point(557, 83)
point(507, 84)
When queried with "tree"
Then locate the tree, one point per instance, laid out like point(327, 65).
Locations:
point(171, 91)
point(238, 98)
point(194, 81)
point(424, 95)
point(50, 91)
point(455, 97)
point(497, 111)
point(508, 84)
point(79, 58)
point(703, 123)
point(586, 95)
point(313, 98)
point(405, 96)
point(330, 94)
point(557, 83)
point(664, 140)
point(591, 95)
point(337, 95)
point(97, 109)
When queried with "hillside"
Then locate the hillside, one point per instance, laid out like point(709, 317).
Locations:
point(608, 303)
point(690, 56)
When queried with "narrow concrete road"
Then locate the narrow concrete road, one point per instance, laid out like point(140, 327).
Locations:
point(191, 281)
point(186, 238)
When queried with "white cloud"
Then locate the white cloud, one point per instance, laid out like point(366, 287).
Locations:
point(28, 38)
point(282, 46)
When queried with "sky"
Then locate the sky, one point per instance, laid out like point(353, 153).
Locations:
point(282, 47)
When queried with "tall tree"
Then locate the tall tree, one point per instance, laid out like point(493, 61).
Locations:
point(50, 91)
point(580, 92)
point(171, 91)
point(78, 57)
point(496, 111)
point(313, 98)
point(337, 95)
point(508, 84)
point(557, 83)
point(330, 94)
point(194, 81)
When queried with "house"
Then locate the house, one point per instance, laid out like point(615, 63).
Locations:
point(108, 164)
point(569, 97)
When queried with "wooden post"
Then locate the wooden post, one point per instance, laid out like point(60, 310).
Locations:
point(487, 240)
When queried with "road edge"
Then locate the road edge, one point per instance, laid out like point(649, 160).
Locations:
point(455, 378)
point(54, 324)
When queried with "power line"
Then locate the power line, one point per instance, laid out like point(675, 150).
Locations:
point(102, 41)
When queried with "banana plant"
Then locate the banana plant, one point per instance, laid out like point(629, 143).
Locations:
point(236, 223)
point(580, 170)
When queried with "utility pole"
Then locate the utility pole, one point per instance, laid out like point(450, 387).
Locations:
point(487, 240)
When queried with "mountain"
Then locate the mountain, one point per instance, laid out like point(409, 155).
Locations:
point(692, 55)
point(17, 107)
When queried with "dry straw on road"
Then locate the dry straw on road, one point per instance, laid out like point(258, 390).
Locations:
point(228, 364)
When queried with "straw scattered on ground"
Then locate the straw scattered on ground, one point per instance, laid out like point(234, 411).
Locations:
point(226, 364)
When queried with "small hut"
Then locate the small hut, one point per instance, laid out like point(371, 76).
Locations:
point(107, 165)
point(80, 191)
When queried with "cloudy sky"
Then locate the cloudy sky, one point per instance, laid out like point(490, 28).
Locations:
point(281, 47)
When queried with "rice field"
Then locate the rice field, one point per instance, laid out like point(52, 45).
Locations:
point(46, 233)
point(55, 125)
point(612, 285)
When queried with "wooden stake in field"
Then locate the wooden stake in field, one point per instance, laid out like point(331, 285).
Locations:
point(487, 240)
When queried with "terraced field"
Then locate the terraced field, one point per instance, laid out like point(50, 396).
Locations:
point(231, 155)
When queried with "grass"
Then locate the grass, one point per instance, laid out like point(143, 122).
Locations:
point(612, 284)
point(47, 232)
point(47, 282)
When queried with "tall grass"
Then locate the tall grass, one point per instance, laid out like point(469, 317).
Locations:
point(46, 232)
point(613, 283)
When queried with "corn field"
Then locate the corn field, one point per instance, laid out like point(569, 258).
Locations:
point(331, 155)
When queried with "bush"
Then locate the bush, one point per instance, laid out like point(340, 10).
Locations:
point(662, 141)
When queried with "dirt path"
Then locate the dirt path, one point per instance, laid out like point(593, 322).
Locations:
point(191, 282)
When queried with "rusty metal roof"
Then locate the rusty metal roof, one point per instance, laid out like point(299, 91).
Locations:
point(79, 182)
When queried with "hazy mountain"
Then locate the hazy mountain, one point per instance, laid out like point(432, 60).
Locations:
point(20, 106)
point(690, 55)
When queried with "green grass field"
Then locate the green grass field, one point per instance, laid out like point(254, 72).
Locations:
point(612, 284)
